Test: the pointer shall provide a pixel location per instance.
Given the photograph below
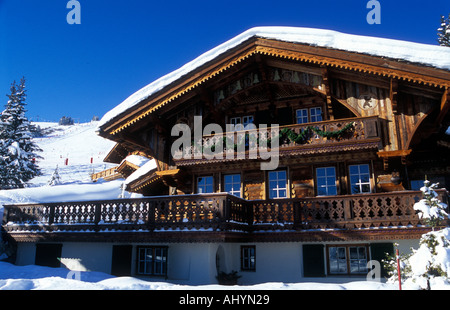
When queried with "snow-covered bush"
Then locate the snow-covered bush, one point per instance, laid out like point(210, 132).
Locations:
point(55, 179)
point(432, 258)
point(430, 208)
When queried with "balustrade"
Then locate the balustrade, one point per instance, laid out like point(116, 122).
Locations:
point(219, 212)
point(248, 143)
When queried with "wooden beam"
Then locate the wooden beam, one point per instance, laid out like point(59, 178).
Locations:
point(326, 86)
point(393, 91)
point(445, 106)
point(138, 144)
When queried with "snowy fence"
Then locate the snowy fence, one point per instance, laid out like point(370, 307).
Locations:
point(220, 211)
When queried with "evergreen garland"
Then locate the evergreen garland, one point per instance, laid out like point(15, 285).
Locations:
point(285, 133)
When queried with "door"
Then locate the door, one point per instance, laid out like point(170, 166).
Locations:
point(121, 260)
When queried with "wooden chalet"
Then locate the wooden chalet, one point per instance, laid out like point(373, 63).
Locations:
point(357, 135)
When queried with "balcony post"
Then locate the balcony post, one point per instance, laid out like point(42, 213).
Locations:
point(97, 215)
point(297, 205)
point(51, 215)
point(347, 209)
point(151, 215)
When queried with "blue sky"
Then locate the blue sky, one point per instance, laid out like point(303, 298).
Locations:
point(120, 46)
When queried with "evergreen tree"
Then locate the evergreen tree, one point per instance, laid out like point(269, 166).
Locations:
point(444, 31)
point(431, 259)
point(55, 178)
point(18, 152)
point(430, 208)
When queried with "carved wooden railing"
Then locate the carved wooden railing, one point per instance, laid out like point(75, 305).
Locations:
point(107, 174)
point(248, 143)
point(219, 211)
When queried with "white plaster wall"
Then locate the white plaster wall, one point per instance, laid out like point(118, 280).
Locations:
point(195, 263)
point(275, 262)
point(26, 253)
point(87, 256)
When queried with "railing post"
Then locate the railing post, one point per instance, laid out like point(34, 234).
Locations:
point(297, 205)
point(347, 209)
point(98, 213)
point(51, 215)
point(151, 215)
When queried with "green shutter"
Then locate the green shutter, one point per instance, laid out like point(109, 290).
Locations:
point(313, 260)
point(378, 252)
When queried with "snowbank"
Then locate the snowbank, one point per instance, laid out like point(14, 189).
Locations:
point(430, 55)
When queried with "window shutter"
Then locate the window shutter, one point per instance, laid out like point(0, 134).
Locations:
point(378, 252)
point(313, 260)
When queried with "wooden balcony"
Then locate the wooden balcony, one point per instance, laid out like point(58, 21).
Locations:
point(310, 138)
point(108, 175)
point(217, 213)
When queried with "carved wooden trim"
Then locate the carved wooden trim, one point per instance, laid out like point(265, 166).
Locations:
point(298, 55)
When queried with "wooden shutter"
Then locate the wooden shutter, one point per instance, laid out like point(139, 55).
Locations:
point(378, 252)
point(313, 260)
point(121, 260)
point(48, 254)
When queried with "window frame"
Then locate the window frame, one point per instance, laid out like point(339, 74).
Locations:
point(278, 189)
point(327, 186)
point(233, 192)
point(360, 184)
point(198, 185)
point(302, 116)
point(243, 121)
point(248, 258)
point(315, 114)
point(308, 116)
point(348, 259)
point(164, 262)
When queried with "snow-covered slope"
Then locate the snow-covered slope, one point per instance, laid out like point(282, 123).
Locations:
point(71, 148)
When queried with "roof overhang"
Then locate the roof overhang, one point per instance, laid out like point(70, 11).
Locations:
point(323, 56)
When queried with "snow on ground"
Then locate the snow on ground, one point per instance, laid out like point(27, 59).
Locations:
point(45, 278)
point(79, 143)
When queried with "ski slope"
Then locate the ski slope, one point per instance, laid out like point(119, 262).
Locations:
point(77, 151)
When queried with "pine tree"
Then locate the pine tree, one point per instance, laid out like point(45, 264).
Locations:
point(18, 153)
point(55, 178)
point(431, 259)
point(430, 208)
point(444, 31)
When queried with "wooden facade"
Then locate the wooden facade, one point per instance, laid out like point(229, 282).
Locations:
point(355, 135)
point(397, 112)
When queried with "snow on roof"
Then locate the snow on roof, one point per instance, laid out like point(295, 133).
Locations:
point(430, 55)
point(136, 160)
point(146, 168)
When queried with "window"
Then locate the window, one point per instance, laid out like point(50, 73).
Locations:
point(416, 184)
point(246, 120)
point(326, 181)
point(205, 185)
point(302, 116)
point(232, 184)
point(315, 114)
point(152, 261)
point(277, 184)
point(239, 123)
point(347, 259)
point(235, 121)
point(248, 258)
point(359, 179)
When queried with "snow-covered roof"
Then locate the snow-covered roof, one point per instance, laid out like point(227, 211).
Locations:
point(146, 168)
point(425, 54)
point(136, 160)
